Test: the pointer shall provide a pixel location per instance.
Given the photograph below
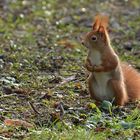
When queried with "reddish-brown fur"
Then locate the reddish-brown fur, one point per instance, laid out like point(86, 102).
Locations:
point(123, 79)
point(132, 81)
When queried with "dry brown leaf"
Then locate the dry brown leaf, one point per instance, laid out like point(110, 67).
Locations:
point(78, 85)
point(17, 123)
point(20, 91)
point(66, 44)
point(100, 129)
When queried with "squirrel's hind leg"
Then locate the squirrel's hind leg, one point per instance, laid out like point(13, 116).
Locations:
point(120, 92)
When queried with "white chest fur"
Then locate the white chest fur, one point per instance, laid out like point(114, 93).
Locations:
point(100, 84)
point(101, 87)
point(95, 57)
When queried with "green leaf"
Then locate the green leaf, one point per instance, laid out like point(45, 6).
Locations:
point(127, 125)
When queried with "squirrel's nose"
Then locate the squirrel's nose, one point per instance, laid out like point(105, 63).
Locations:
point(82, 42)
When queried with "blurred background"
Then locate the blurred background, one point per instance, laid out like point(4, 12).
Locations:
point(40, 51)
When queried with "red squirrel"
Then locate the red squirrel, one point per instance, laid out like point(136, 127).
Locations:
point(109, 79)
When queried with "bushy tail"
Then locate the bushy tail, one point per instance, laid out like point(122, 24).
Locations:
point(132, 81)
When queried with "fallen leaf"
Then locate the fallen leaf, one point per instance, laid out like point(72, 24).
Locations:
point(100, 129)
point(66, 43)
point(91, 106)
point(78, 86)
point(17, 123)
point(20, 91)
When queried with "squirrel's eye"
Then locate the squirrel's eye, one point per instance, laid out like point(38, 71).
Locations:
point(94, 38)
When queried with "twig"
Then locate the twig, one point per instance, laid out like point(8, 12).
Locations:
point(61, 108)
point(4, 138)
point(6, 96)
point(66, 80)
point(33, 108)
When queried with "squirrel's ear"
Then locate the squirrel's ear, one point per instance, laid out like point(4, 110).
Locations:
point(101, 31)
point(96, 24)
point(104, 22)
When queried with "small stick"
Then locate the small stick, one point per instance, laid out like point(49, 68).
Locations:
point(6, 96)
point(33, 108)
point(4, 138)
point(66, 80)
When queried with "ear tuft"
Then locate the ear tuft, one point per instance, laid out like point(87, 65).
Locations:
point(101, 29)
point(96, 23)
point(100, 21)
point(104, 21)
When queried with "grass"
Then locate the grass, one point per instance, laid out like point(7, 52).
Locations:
point(110, 129)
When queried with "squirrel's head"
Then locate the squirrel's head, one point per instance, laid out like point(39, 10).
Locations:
point(98, 37)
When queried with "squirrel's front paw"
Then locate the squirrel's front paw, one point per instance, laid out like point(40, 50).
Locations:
point(89, 67)
point(99, 68)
